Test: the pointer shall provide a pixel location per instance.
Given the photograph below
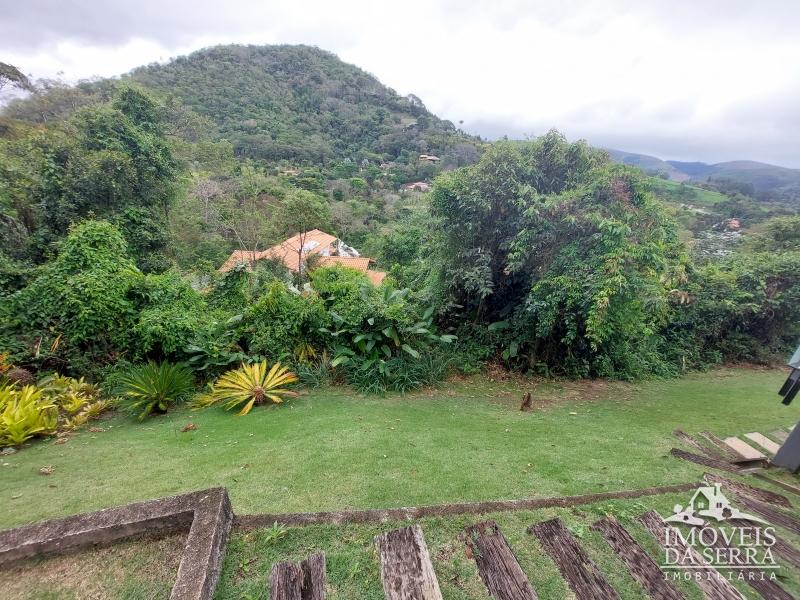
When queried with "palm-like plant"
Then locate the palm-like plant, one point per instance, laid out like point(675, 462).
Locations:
point(154, 387)
point(250, 385)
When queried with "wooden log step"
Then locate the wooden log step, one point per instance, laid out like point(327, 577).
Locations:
point(580, 572)
point(704, 461)
point(497, 565)
point(643, 568)
point(406, 569)
point(763, 441)
point(765, 511)
point(780, 435)
point(748, 490)
point(722, 447)
point(704, 450)
point(713, 584)
point(781, 547)
point(743, 448)
point(306, 581)
point(781, 484)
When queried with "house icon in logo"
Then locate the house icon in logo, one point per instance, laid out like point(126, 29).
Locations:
point(708, 501)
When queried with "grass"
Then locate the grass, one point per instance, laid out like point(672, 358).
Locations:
point(331, 450)
point(684, 193)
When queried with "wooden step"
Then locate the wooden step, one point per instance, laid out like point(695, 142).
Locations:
point(763, 441)
point(713, 584)
point(643, 568)
point(306, 581)
point(580, 572)
point(497, 565)
point(744, 449)
point(406, 569)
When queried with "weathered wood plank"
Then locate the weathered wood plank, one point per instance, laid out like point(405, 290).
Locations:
point(306, 581)
point(497, 565)
point(704, 461)
point(286, 581)
point(406, 569)
point(712, 583)
point(743, 448)
point(765, 511)
point(781, 547)
point(704, 450)
point(780, 435)
point(769, 590)
point(729, 454)
point(580, 572)
point(753, 492)
point(314, 579)
point(643, 568)
point(781, 484)
point(763, 441)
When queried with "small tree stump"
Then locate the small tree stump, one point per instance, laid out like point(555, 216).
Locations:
point(497, 565)
point(526, 402)
point(406, 569)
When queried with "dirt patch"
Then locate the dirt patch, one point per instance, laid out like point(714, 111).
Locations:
point(143, 567)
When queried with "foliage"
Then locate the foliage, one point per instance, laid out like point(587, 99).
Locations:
point(154, 387)
point(24, 413)
point(217, 347)
point(250, 385)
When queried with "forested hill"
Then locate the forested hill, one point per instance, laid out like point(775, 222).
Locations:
point(304, 104)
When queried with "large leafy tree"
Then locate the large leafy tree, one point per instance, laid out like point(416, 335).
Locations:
point(566, 257)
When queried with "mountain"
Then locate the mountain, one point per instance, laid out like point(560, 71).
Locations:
point(303, 104)
point(760, 180)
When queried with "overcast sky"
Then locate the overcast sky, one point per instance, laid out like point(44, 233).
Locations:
point(707, 80)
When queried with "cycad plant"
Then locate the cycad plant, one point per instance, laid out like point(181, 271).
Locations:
point(154, 387)
point(250, 385)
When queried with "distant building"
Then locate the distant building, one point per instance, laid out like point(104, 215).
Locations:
point(417, 186)
point(429, 158)
point(294, 251)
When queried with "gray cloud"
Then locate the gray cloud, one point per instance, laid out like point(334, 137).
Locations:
point(711, 80)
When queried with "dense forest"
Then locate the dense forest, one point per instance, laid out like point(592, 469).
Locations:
point(119, 200)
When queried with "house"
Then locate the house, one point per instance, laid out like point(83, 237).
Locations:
point(417, 186)
point(429, 158)
point(294, 251)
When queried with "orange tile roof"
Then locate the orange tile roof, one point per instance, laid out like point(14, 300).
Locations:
point(359, 263)
point(376, 277)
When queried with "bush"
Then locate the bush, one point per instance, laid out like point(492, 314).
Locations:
point(24, 413)
point(250, 385)
point(153, 387)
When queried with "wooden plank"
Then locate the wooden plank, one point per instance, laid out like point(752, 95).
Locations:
point(781, 484)
point(580, 572)
point(753, 492)
point(406, 569)
point(643, 568)
point(743, 448)
point(713, 584)
point(780, 435)
point(722, 447)
point(690, 441)
point(705, 461)
point(765, 511)
point(497, 565)
point(763, 441)
point(761, 583)
point(306, 581)
point(314, 579)
point(781, 547)
point(285, 581)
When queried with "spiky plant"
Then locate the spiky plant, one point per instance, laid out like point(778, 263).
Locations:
point(250, 385)
point(154, 387)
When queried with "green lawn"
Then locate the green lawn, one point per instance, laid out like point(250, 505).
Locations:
point(330, 449)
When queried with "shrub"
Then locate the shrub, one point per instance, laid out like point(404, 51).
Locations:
point(249, 385)
point(24, 413)
point(154, 387)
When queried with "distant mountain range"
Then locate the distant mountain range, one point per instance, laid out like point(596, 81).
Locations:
point(762, 180)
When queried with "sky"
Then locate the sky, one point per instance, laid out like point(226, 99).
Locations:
point(709, 80)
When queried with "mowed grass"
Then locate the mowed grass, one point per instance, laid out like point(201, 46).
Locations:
point(332, 449)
